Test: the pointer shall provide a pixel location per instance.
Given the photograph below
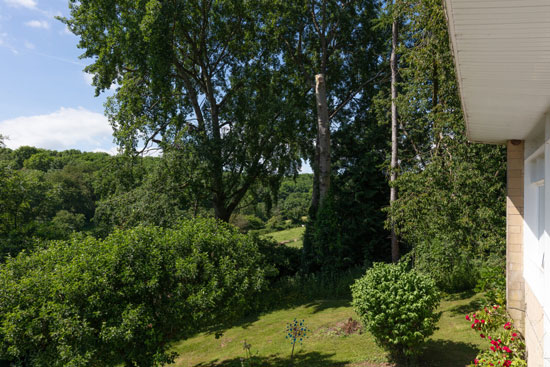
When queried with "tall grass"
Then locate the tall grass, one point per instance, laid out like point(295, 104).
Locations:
point(304, 288)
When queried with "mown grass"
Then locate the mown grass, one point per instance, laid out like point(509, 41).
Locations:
point(453, 345)
point(293, 235)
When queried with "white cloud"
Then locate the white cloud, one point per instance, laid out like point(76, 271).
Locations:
point(30, 45)
point(29, 4)
point(112, 151)
point(38, 24)
point(4, 42)
point(67, 128)
point(88, 78)
point(65, 31)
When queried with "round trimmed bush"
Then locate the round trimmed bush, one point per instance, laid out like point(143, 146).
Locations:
point(397, 306)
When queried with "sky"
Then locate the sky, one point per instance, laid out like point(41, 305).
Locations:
point(46, 100)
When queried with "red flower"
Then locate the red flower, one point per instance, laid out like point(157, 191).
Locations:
point(506, 349)
point(483, 336)
point(468, 317)
point(508, 363)
point(514, 334)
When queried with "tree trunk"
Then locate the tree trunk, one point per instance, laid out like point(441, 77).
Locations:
point(393, 168)
point(323, 138)
point(220, 208)
point(315, 192)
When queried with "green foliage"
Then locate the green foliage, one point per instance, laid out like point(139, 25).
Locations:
point(397, 306)
point(285, 259)
point(42, 161)
point(451, 192)
point(277, 223)
point(492, 281)
point(322, 246)
point(348, 229)
point(62, 225)
point(246, 222)
point(452, 269)
point(506, 345)
point(119, 301)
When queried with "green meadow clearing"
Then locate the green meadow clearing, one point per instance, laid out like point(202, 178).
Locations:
point(294, 236)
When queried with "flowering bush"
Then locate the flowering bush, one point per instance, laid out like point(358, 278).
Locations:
point(397, 306)
point(506, 347)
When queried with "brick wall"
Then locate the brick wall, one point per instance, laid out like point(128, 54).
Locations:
point(515, 284)
point(534, 329)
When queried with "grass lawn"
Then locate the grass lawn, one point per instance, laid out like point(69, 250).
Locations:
point(453, 345)
point(294, 235)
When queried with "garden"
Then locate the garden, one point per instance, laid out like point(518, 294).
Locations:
point(206, 242)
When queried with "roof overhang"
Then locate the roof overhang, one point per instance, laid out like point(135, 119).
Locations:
point(502, 57)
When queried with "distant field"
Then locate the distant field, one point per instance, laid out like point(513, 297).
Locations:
point(294, 235)
point(453, 345)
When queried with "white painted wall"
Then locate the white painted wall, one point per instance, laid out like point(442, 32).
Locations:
point(537, 226)
point(545, 248)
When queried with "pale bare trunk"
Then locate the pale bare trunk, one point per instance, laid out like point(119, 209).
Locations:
point(323, 131)
point(315, 191)
point(393, 175)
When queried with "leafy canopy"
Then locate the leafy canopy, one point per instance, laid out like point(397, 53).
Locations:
point(201, 77)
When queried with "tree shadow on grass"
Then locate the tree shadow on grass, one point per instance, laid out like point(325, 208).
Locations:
point(460, 295)
point(319, 306)
point(247, 321)
point(311, 359)
point(472, 306)
point(444, 353)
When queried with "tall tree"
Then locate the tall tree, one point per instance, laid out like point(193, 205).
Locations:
point(333, 52)
point(450, 208)
point(327, 44)
point(394, 143)
point(198, 76)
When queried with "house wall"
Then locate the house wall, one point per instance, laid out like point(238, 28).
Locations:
point(536, 243)
point(515, 284)
point(534, 330)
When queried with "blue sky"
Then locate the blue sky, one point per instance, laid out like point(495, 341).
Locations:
point(46, 100)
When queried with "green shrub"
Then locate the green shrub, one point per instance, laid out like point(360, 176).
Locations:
point(120, 301)
point(286, 260)
point(397, 306)
point(323, 250)
point(277, 223)
point(492, 281)
point(453, 270)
